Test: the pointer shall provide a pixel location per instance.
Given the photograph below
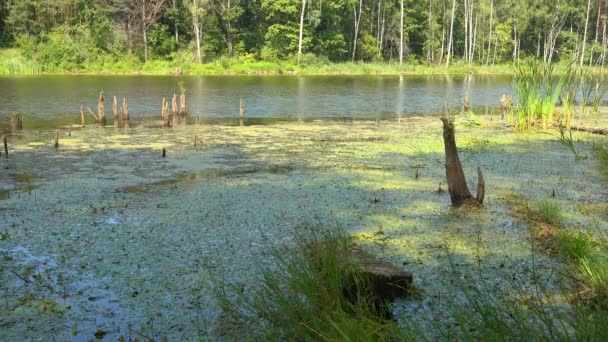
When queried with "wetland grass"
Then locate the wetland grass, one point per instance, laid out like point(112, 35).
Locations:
point(303, 297)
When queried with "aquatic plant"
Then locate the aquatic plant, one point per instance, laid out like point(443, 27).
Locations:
point(549, 209)
point(568, 141)
point(302, 297)
point(537, 93)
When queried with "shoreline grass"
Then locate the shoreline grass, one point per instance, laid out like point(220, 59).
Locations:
point(12, 63)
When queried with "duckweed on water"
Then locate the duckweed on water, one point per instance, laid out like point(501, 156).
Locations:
point(143, 260)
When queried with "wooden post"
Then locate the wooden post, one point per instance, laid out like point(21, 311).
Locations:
point(16, 123)
point(81, 116)
point(101, 114)
point(69, 131)
point(164, 152)
point(5, 146)
point(457, 184)
point(242, 109)
point(57, 139)
point(115, 113)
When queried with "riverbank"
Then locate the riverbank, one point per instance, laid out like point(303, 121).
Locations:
point(104, 237)
point(12, 64)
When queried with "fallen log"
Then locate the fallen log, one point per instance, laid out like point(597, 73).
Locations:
point(595, 130)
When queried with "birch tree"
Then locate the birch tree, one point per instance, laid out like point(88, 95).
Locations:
point(302, 30)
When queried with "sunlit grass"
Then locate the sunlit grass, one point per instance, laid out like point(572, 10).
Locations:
point(303, 296)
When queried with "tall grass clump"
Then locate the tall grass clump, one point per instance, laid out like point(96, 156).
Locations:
point(301, 296)
point(537, 91)
point(549, 209)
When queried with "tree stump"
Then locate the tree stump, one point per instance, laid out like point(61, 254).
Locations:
point(183, 109)
point(242, 109)
point(164, 114)
point(457, 184)
point(101, 114)
point(81, 116)
point(125, 113)
point(115, 113)
point(505, 105)
point(16, 123)
point(5, 146)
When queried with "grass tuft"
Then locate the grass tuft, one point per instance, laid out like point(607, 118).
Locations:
point(302, 296)
point(549, 209)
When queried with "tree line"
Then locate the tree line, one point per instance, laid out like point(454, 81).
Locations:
point(433, 32)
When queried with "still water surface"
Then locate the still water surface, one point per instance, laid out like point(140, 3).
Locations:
point(275, 97)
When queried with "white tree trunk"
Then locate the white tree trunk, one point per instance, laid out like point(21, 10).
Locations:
point(490, 35)
point(357, 22)
point(301, 30)
point(585, 33)
point(451, 33)
point(401, 37)
point(197, 31)
point(144, 27)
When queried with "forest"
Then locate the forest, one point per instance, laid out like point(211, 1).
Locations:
point(96, 35)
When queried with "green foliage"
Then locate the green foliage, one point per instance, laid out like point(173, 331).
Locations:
point(303, 298)
point(537, 93)
point(574, 246)
point(161, 42)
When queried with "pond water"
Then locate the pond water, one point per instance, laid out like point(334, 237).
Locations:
point(273, 97)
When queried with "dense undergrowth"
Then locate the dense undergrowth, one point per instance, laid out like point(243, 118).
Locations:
point(15, 62)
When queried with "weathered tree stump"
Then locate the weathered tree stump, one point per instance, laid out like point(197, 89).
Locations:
point(16, 123)
point(385, 282)
point(466, 104)
point(505, 105)
point(5, 146)
point(389, 282)
point(174, 106)
point(115, 113)
point(164, 114)
point(125, 113)
point(183, 109)
point(81, 116)
point(56, 140)
point(457, 184)
point(242, 109)
point(101, 114)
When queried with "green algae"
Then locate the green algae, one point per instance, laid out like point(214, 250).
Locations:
point(141, 233)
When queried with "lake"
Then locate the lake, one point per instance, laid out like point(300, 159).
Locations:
point(58, 97)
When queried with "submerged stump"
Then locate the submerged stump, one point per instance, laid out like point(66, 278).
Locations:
point(16, 123)
point(101, 114)
point(115, 113)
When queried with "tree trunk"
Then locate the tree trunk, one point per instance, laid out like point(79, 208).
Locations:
point(357, 22)
point(301, 30)
point(197, 31)
point(451, 33)
point(585, 33)
point(457, 184)
point(175, 23)
point(144, 27)
point(401, 37)
point(490, 35)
